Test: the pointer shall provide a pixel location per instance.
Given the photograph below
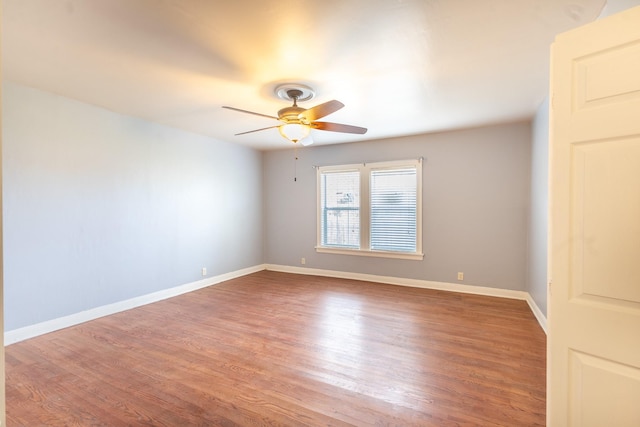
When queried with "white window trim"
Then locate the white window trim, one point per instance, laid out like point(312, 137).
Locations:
point(365, 210)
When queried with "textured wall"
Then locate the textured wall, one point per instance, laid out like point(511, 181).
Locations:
point(101, 207)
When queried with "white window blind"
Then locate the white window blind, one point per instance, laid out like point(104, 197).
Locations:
point(393, 209)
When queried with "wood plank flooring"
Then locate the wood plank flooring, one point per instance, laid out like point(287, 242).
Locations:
point(273, 349)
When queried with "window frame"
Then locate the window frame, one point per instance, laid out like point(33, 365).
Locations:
point(364, 170)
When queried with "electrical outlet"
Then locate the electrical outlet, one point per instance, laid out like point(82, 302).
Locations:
point(303, 261)
point(204, 271)
point(460, 275)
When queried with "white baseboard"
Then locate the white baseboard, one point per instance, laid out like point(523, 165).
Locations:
point(21, 334)
point(542, 319)
point(416, 283)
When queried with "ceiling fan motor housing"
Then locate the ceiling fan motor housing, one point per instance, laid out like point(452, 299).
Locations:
point(290, 114)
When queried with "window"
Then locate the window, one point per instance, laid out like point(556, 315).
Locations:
point(371, 209)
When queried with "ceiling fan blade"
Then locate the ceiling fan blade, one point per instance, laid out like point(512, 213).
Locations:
point(321, 110)
point(255, 130)
point(338, 127)
point(250, 112)
point(307, 140)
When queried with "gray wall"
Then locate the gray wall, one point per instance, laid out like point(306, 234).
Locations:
point(475, 196)
point(100, 207)
point(616, 6)
point(538, 221)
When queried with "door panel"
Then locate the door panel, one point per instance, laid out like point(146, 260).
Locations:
point(607, 77)
point(606, 218)
point(604, 393)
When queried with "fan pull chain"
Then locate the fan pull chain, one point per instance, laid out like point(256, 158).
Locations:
point(295, 162)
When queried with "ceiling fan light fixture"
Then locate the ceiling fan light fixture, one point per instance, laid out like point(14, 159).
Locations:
point(294, 132)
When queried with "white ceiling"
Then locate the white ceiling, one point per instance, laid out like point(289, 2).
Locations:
point(400, 66)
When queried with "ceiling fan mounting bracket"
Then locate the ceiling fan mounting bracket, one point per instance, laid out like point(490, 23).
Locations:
point(294, 91)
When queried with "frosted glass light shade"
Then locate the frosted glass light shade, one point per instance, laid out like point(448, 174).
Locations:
point(294, 132)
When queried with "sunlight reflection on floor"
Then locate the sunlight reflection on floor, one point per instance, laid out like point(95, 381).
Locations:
point(341, 326)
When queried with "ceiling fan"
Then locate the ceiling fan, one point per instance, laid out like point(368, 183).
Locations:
point(298, 121)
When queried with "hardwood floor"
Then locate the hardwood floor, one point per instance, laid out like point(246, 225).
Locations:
point(283, 349)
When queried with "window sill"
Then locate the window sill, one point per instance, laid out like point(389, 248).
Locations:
point(378, 254)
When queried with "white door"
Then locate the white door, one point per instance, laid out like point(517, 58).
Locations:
point(594, 294)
